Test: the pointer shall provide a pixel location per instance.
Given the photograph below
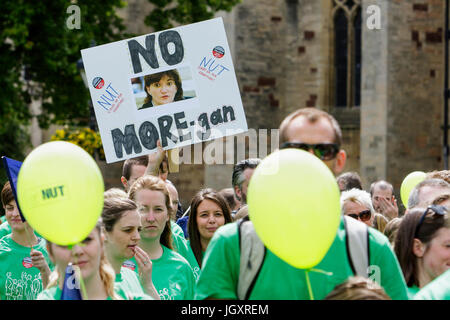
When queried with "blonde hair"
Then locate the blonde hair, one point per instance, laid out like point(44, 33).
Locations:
point(358, 288)
point(358, 196)
point(114, 193)
point(107, 274)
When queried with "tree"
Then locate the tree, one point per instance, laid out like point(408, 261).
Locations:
point(168, 12)
point(39, 55)
point(38, 62)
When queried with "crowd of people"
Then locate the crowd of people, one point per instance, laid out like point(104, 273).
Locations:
point(145, 246)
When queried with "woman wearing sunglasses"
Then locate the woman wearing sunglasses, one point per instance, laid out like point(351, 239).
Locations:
point(357, 204)
point(422, 246)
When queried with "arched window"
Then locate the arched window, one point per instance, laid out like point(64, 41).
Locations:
point(346, 74)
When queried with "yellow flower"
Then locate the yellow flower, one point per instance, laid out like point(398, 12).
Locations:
point(85, 138)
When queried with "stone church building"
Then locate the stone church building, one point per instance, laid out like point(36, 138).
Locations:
point(376, 65)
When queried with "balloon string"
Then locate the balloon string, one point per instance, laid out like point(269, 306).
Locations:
point(79, 277)
point(27, 232)
point(322, 271)
point(308, 282)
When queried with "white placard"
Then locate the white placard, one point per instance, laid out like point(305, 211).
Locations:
point(135, 89)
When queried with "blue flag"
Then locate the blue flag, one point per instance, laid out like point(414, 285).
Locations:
point(12, 168)
point(71, 287)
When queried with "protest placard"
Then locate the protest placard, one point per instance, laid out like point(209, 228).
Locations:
point(177, 85)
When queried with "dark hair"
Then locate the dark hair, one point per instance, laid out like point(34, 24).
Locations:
point(7, 194)
point(382, 185)
point(194, 235)
point(129, 163)
point(349, 180)
point(156, 77)
point(228, 194)
point(113, 210)
point(312, 115)
point(238, 171)
point(155, 184)
point(404, 242)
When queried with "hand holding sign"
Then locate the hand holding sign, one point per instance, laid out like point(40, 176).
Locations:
point(60, 189)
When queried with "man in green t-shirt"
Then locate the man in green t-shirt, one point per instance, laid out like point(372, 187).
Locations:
point(315, 131)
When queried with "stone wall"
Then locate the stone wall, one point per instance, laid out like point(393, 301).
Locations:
point(416, 71)
point(374, 97)
point(281, 52)
point(403, 73)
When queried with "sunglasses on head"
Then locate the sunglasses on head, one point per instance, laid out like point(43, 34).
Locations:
point(324, 151)
point(434, 209)
point(363, 215)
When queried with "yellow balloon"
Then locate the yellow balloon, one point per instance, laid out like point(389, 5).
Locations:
point(294, 203)
point(410, 181)
point(60, 192)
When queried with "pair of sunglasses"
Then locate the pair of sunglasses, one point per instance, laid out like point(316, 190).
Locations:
point(434, 209)
point(363, 215)
point(324, 151)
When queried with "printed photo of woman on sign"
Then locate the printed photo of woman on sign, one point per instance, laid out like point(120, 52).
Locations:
point(162, 88)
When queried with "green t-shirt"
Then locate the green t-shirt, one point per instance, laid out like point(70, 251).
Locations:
point(438, 289)
point(176, 229)
point(54, 293)
point(5, 229)
point(412, 291)
point(19, 280)
point(197, 267)
point(127, 281)
point(180, 245)
point(2, 219)
point(172, 275)
point(278, 280)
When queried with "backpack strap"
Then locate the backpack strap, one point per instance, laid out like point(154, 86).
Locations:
point(252, 256)
point(357, 236)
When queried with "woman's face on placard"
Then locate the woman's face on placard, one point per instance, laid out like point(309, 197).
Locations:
point(163, 91)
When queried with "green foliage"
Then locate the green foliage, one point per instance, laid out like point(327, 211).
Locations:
point(14, 140)
point(38, 61)
point(168, 12)
point(39, 55)
point(83, 137)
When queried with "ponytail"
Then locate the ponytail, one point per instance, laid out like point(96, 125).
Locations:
point(108, 277)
